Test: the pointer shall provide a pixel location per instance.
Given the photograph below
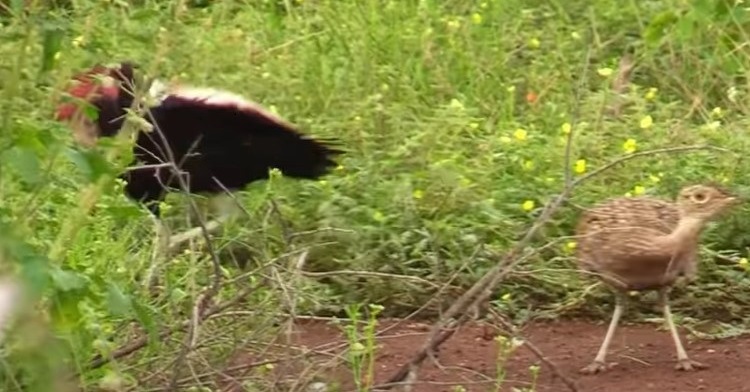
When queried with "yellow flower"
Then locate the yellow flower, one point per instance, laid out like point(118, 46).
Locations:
point(473, 125)
point(511, 89)
point(453, 24)
point(505, 297)
point(165, 207)
point(713, 125)
point(456, 104)
point(78, 41)
point(520, 134)
point(378, 216)
point(647, 122)
point(417, 194)
point(742, 261)
point(476, 18)
point(339, 167)
point(605, 71)
point(528, 205)
point(566, 128)
point(580, 167)
point(534, 43)
point(528, 164)
point(638, 190)
point(651, 93)
point(628, 194)
point(575, 35)
point(571, 245)
point(654, 179)
point(629, 146)
point(717, 112)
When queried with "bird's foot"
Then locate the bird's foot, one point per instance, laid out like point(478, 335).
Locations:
point(689, 365)
point(597, 367)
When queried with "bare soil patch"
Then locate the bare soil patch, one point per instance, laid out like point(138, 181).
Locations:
point(644, 353)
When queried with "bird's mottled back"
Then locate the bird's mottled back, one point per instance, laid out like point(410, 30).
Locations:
point(623, 212)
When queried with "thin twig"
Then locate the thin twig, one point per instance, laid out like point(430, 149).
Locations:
point(536, 351)
point(625, 158)
point(141, 342)
point(370, 274)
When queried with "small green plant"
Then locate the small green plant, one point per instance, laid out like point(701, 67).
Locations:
point(505, 348)
point(362, 344)
point(534, 371)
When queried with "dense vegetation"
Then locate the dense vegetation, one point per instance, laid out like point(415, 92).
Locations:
point(454, 115)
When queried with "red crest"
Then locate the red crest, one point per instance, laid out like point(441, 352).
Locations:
point(85, 86)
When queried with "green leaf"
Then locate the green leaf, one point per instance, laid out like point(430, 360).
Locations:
point(144, 315)
point(117, 302)
point(51, 45)
point(686, 27)
point(90, 111)
point(32, 263)
point(91, 163)
point(16, 6)
point(67, 280)
point(656, 29)
point(25, 163)
point(65, 310)
point(144, 14)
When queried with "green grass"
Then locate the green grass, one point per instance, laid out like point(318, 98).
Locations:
point(427, 96)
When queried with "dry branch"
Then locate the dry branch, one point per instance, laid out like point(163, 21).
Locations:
point(620, 84)
point(141, 342)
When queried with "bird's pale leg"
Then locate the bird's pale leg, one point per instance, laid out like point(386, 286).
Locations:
point(683, 362)
point(599, 364)
point(159, 252)
point(226, 207)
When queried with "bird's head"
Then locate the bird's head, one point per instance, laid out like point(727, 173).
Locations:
point(96, 100)
point(705, 201)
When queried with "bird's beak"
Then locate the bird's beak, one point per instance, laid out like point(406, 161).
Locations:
point(735, 199)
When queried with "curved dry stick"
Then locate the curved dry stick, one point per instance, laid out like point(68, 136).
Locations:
point(141, 342)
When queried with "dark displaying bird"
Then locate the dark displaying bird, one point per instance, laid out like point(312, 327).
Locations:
point(643, 244)
point(214, 140)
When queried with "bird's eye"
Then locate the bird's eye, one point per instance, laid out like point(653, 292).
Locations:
point(699, 197)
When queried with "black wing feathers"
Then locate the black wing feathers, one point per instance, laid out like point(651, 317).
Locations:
point(220, 146)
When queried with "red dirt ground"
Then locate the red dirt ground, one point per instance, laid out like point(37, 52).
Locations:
point(644, 353)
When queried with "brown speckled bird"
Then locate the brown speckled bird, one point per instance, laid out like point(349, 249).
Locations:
point(642, 243)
